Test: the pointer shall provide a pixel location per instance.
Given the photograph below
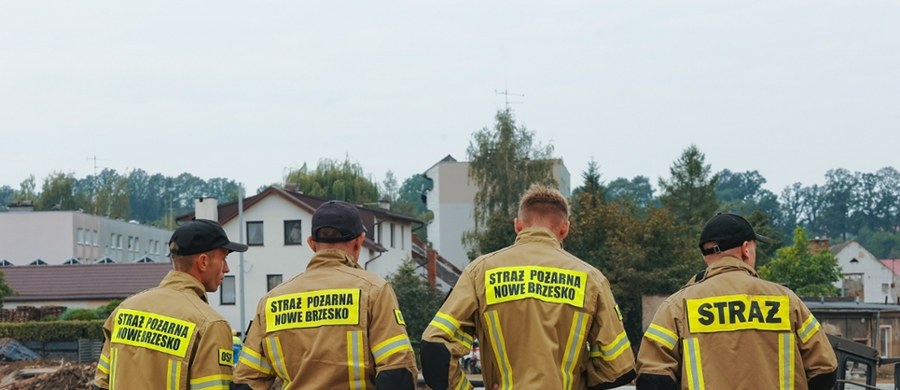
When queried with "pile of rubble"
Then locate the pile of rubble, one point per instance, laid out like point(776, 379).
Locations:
point(46, 375)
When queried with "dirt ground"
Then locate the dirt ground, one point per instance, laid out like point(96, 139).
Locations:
point(67, 375)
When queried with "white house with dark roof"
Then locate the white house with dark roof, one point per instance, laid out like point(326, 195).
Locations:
point(863, 275)
point(275, 225)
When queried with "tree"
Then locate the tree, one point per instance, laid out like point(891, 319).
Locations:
point(338, 180)
point(640, 251)
point(690, 194)
point(411, 201)
point(7, 194)
point(807, 273)
point(418, 301)
point(26, 190)
point(636, 191)
point(839, 202)
point(503, 163)
point(5, 290)
point(56, 193)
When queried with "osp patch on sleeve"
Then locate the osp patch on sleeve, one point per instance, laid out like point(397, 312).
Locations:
point(226, 357)
point(399, 316)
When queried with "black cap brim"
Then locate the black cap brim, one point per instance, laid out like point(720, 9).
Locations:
point(760, 237)
point(235, 247)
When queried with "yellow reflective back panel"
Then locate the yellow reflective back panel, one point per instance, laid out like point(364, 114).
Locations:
point(547, 284)
point(739, 312)
point(313, 309)
point(152, 331)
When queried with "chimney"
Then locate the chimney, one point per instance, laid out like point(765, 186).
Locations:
point(817, 244)
point(206, 208)
point(431, 267)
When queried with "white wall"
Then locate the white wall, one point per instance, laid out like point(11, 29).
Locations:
point(274, 257)
point(875, 274)
point(26, 236)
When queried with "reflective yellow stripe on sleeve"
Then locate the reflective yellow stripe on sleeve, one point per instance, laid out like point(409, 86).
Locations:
point(463, 383)
point(254, 360)
point(113, 354)
point(274, 351)
point(495, 334)
point(574, 345)
point(809, 328)
point(103, 364)
point(693, 365)
point(356, 360)
point(786, 361)
point(173, 377)
point(212, 382)
point(614, 349)
point(661, 335)
point(389, 347)
point(451, 327)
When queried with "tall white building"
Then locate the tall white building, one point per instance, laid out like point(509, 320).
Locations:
point(452, 200)
point(73, 237)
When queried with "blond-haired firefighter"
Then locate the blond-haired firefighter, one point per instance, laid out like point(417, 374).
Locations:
point(544, 318)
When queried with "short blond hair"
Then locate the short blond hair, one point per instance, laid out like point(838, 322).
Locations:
point(542, 202)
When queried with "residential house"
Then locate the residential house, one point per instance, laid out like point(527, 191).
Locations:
point(275, 225)
point(452, 200)
point(73, 237)
point(863, 276)
point(84, 286)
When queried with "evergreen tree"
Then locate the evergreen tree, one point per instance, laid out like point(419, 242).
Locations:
point(690, 194)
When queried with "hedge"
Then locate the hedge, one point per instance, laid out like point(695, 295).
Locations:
point(48, 331)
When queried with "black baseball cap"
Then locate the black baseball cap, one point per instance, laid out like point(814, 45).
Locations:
point(201, 235)
point(728, 231)
point(338, 215)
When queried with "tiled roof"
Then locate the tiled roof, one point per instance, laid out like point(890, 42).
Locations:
point(82, 281)
point(837, 248)
point(229, 211)
point(892, 264)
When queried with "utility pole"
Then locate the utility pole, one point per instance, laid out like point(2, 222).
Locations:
point(94, 182)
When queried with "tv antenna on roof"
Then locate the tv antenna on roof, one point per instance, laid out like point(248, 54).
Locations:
point(94, 181)
point(506, 94)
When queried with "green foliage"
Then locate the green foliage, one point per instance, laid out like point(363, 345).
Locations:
point(690, 194)
point(805, 272)
point(883, 245)
point(641, 251)
point(104, 311)
point(338, 180)
point(79, 315)
point(57, 193)
point(5, 290)
point(52, 331)
point(418, 301)
point(27, 190)
point(503, 163)
point(410, 201)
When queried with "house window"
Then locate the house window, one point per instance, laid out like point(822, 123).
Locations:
point(94, 237)
point(293, 234)
point(38, 262)
point(402, 237)
point(72, 261)
point(137, 244)
point(145, 259)
point(272, 281)
point(885, 288)
point(106, 260)
point(79, 236)
point(885, 338)
point(255, 233)
point(392, 235)
point(227, 290)
point(119, 241)
point(5, 263)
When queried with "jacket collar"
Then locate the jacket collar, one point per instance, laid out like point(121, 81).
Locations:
point(728, 264)
point(330, 258)
point(178, 280)
point(538, 235)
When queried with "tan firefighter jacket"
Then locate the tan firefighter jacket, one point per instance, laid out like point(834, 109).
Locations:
point(334, 326)
point(166, 337)
point(732, 330)
point(544, 319)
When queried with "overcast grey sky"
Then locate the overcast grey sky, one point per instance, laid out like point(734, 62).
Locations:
point(245, 90)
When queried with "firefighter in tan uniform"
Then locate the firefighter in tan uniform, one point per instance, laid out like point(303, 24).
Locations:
point(732, 330)
point(334, 326)
point(169, 337)
point(544, 318)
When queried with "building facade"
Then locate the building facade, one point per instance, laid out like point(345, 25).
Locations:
point(73, 237)
point(452, 200)
point(863, 275)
